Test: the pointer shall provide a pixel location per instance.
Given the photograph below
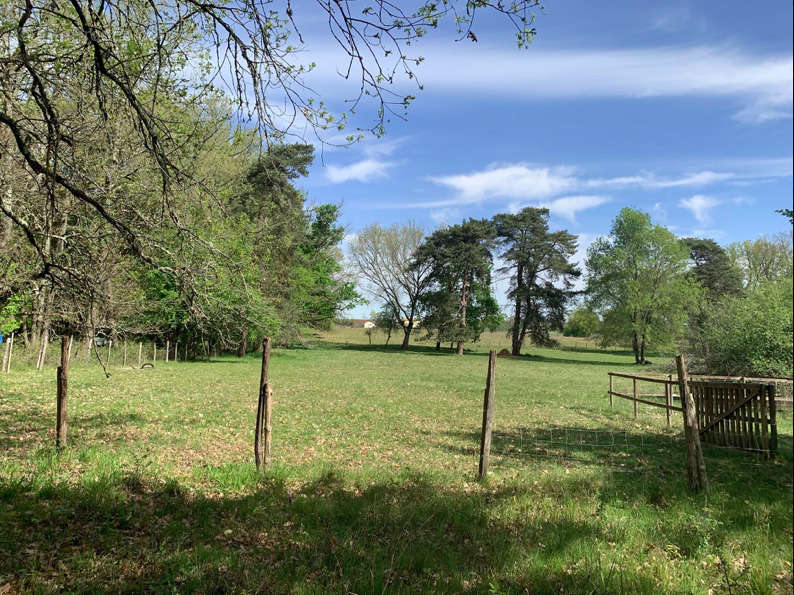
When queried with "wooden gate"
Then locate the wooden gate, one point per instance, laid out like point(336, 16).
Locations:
point(741, 414)
point(735, 412)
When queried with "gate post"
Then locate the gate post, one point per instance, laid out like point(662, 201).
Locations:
point(696, 466)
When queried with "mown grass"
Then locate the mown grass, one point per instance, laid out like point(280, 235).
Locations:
point(373, 486)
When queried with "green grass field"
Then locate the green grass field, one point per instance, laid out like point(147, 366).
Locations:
point(373, 487)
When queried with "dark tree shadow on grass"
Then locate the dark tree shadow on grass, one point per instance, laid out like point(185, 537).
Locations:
point(125, 534)
point(25, 427)
point(446, 352)
point(647, 468)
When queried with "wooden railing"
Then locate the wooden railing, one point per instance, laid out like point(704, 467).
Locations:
point(735, 412)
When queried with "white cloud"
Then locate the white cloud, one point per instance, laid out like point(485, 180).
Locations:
point(361, 171)
point(762, 84)
point(700, 206)
point(568, 206)
point(446, 216)
point(650, 180)
point(520, 181)
point(525, 182)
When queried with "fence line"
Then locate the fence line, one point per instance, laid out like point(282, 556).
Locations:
point(731, 411)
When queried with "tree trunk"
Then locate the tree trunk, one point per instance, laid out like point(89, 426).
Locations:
point(517, 338)
point(6, 347)
point(464, 302)
point(642, 350)
point(407, 335)
point(61, 421)
point(635, 346)
point(438, 345)
point(243, 346)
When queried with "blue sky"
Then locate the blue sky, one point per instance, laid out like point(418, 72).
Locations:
point(681, 109)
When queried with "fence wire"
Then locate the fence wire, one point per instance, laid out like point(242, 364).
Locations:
point(619, 450)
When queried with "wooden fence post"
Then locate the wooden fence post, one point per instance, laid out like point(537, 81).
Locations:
point(772, 391)
point(62, 377)
point(110, 346)
point(264, 410)
point(140, 352)
point(696, 466)
point(635, 397)
point(610, 390)
point(124, 360)
point(154, 352)
point(668, 394)
point(176, 351)
point(487, 416)
point(167, 349)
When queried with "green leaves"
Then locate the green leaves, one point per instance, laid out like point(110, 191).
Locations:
point(637, 278)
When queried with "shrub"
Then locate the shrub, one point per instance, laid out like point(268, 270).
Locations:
point(751, 335)
point(582, 323)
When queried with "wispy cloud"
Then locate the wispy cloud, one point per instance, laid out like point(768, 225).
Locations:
point(569, 206)
point(446, 216)
point(518, 181)
point(761, 84)
point(524, 182)
point(360, 171)
point(700, 206)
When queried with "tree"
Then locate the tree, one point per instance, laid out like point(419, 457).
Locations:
point(583, 322)
point(387, 320)
point(750, 334)
point(459, 259)
point(787, 213)
point(114, 70)
point(712, 267)
point(637, 279)
point(383, 257)
point(537, 262)
point(763, 260)
point(295, 249)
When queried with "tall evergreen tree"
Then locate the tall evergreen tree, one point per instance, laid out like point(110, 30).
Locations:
point(712, 267)
point(541, 276)
point(460, 259)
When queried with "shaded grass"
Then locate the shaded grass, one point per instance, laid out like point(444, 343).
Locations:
point(374, 486)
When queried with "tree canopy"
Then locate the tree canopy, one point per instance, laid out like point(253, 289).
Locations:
point(541, 275)
point(637, 280)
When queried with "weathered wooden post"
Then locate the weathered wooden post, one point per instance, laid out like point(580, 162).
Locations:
point(154, 352)
point(635, 397)
point(610, 390)
point(176, 351)
point(487, 416)
point(668, 395)
point(7, 354)
point(62, 378)
point(110, 346)
point(140, 352)
point(264, 410)
point(167, 349)
point(696, 466)
point(124, 360)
